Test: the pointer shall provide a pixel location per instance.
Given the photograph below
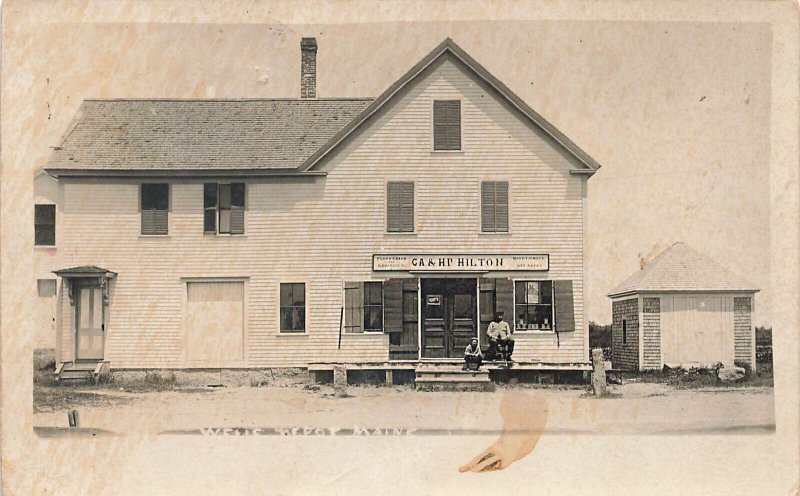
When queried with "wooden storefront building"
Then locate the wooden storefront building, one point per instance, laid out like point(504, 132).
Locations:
point(285, 232)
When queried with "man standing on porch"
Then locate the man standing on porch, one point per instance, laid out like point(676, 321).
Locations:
point(499, 333)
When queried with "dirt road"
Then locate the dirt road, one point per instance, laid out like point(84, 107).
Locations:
point(633, 409)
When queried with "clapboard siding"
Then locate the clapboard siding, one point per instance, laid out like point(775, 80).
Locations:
point(323, 231)
point(744, 336)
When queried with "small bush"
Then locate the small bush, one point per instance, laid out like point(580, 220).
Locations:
point(155, 378)
point(748, 370)
point(256, 382)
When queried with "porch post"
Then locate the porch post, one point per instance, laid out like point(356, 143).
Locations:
point(478, 309)
point(419, 318)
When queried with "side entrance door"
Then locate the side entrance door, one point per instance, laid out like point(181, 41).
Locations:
point(449, 312)
point(89, 326)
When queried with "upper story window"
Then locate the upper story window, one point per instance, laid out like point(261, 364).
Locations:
point(494, 206)
point(44, 225)
point(223, 206)
point(154, 207)
point(400, 207)
point(447, 125)
point(533, 305)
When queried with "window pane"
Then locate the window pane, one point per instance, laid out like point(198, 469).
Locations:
point(237, 194)
point(532, 292)
point(373, 293)
point(299, 294)
point(286, 295)
point(224, 221)
point(209, 195)
point(539, 316)
point(546, 292)
point(155, 196)
point(286, 319)
point(373, 318)
point(45, 214)
point(225, 196)
point(519, 291)
point(521, 313)
point(298, 318)
point(210, 220)
point(44, 235)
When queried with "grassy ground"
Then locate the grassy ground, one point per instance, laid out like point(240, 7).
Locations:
point(702, 378)
point(50, 395)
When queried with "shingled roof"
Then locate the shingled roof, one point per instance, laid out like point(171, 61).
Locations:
point(680, 268)
point(117, 137)
point(171, 135)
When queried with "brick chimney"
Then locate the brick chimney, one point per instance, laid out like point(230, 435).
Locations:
point(308, 68)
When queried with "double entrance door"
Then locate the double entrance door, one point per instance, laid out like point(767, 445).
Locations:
point(449, 316)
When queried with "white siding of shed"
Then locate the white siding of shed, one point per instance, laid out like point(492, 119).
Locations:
point(697, 329)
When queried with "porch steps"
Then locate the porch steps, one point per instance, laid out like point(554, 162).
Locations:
point(81, 371)
point(446, 377)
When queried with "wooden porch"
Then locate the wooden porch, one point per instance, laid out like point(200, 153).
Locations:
point(449, 371)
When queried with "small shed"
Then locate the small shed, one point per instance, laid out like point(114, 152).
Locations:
point(682, 309)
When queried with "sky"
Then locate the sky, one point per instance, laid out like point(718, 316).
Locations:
point(677, 113)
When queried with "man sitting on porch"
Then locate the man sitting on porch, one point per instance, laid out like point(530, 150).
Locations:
point(472, 356)
point(499, 334)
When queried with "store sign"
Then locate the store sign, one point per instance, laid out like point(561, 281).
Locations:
point(460, 263)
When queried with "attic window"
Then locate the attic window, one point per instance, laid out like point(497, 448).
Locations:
point(447, 125)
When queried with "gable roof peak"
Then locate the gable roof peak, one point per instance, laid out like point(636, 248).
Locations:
point(448, 45)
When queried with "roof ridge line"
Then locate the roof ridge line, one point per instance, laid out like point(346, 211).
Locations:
point(244, 99)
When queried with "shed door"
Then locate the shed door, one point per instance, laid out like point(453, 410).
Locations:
point(215, 323)
point(697, 329)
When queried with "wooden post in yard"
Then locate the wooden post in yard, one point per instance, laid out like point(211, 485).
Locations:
point(599, 374)
point(74, 419)
point(339, 381)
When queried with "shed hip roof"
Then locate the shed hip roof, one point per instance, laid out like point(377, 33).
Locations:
point(168, 135)
point(680, 268)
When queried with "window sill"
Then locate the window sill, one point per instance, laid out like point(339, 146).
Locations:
point(450, 152)
point(44, 247)
point(291, 334)
point(223, 236)
point(412, 233)
point(154, 236)
point(498, 233)
point(534, 332)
